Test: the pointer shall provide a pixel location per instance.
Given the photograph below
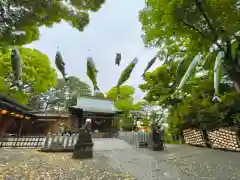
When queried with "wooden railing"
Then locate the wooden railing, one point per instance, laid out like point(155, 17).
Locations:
point(138, 139)
point(26, 141)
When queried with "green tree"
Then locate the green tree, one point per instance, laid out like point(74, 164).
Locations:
point(198, 24)
point(62, 94)
point(75, 89)
point(125, 100)
point(193, 107)
point(28, 16)
point(182, 30)
point(37, 77)
point(159, 84)
point(197, 27)
point(145, 111)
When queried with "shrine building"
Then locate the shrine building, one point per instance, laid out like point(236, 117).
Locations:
point(101, 111)
point(19, 120)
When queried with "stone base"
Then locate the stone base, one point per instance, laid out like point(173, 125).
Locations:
point(46, 149)
point(142, 145)
point(156, 146)
point(84, 146)
point(83, 151)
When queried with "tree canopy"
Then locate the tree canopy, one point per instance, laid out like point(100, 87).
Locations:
point(124, 101)
point(197, 43)
point(28, 16)
point(197, 24)
point(125, 97)
point(159, 83)
point(198, 28)
point(37, 77)
point(193, 107)
point(61, 95)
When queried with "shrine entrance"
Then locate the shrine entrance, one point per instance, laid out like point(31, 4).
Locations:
point(101, 111)
point(99, 125)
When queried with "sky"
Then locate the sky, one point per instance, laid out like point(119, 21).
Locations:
point(114, 28)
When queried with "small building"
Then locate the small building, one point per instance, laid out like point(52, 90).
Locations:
point(17, 119)
point(50, 122)
point(101, 111)
point(13, 115)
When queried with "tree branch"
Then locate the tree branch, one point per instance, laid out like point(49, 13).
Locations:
point(200, 8)
point(195, 29)
point(201, 33)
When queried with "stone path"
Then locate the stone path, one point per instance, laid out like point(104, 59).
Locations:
point(114, 159)
point(180, 162)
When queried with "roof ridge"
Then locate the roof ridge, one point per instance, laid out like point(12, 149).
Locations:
point(94, 104)
point(96, 97)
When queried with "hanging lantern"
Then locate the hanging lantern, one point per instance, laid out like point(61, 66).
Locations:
point(3, 111)
point(17, 115)
point(12, 113)
point(21, 116)
point(27, 118)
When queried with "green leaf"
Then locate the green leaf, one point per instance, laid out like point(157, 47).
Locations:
point(28, 16)
point(37, 76)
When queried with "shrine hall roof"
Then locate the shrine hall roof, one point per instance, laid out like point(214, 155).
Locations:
point(94, 104)
point(12, 105)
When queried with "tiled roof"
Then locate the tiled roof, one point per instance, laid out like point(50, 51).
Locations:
point(12, 105)
point(11, 101)
point(47, 114)
point(96, 105)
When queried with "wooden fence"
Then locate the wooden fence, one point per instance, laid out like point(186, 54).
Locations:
point(24, 142)
point(66, 142)
point(104, 134)
point(55, 143)
point(47, 142)
point(138, 139)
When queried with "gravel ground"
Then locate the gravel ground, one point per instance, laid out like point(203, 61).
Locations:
point(17, 164)
point(177, 162)
point(114, 159)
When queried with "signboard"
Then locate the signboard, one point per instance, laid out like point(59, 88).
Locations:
point(74, 121)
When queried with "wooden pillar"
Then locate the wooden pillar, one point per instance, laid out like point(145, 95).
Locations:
point(68, 123)
point(6, 122)
point(2, 122)
point(20, 127)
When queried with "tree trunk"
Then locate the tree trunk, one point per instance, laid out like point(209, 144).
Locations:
point(234, 75)
point(237, 87)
